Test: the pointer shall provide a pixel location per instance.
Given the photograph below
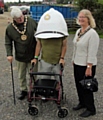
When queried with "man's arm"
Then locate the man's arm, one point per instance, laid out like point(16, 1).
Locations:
point(64, 48)
point(37, 52)
point(63, 51)
point(9, 47)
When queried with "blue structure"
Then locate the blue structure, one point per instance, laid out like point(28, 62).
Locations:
point(37, 11)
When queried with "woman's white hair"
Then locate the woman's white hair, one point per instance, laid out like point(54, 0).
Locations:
point(16, 12)
point(88, 14)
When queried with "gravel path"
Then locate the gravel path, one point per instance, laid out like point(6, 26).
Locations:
point(47, 111)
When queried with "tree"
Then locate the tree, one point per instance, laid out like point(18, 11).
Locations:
point(98, 15)
point(60, 1)
point(88, 4)
point(19, 1)
point(65, 1)
point(96, 8)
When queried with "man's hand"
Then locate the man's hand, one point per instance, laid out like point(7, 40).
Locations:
point(34, 61)
point(10, 59)
point(62, 61)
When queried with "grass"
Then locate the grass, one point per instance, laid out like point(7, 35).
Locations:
point(100, 32)
point(72, 32)
point(101, 36)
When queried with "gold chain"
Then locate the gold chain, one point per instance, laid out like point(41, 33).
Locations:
point(81, 34)
point(21, 32)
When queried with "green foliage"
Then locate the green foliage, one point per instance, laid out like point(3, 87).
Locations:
point(60, 1)
point(98, 15)
point(100, 32)
point(88, 4)
point(96, 8)
point(8, 4)
point(65, 1)
point(6, 7)
point(19, 1)
point(100, 1)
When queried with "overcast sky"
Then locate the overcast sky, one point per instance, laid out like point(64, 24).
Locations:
point(21, 0)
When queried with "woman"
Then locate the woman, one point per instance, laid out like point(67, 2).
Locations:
point(86, 42)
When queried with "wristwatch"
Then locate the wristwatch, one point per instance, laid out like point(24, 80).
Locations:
point(88, 66)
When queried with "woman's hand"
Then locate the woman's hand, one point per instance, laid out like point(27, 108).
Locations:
point(88, 72)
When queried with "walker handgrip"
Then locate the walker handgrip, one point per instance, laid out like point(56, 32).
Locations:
point(61, 67)
point(32, 66)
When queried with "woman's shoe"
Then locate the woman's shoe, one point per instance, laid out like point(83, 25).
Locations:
point(87, 113)
point(78, 107)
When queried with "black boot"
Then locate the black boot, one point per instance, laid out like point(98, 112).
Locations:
point(22, 96)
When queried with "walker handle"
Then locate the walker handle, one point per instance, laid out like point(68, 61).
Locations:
point(32, 66)
point(61, 67)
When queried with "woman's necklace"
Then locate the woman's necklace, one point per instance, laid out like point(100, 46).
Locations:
point(23, 36)
point(81, 34)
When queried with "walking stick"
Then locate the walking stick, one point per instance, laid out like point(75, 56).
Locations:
point(13, 83)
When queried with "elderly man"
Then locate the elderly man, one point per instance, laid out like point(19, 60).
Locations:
point(21, 33)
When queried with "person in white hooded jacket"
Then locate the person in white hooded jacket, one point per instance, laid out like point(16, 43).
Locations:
point(51, 37)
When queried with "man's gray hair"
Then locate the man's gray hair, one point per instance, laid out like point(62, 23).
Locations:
point(16, 12)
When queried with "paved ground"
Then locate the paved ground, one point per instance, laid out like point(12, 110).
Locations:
point(47, 111)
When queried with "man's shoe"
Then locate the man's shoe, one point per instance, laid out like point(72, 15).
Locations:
point(78, 107)
point(87, 113)
point(22, 96)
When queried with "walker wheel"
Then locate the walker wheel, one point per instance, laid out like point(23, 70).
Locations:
point(33, 110)
point(63, 112)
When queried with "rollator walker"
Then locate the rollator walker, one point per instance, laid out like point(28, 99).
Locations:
point(46, 90)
